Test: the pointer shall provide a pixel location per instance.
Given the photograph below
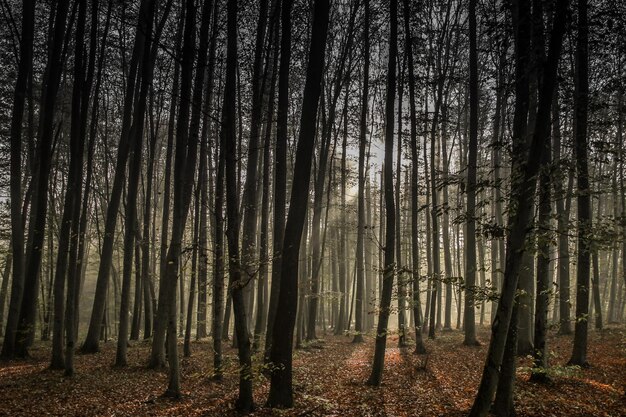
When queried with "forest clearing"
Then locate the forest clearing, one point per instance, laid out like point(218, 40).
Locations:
point(329, 380)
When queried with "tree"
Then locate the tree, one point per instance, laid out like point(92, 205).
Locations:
point(280, 170)
point(415, 266)
point(522, 195)
point(583, 199)
point(237, 280)
point(281, 390)
point(470, 225)
point(360, 273)
point(17, 224)
point(375, 377)
point(144, 22)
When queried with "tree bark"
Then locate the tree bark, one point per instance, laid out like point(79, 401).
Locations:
point(17, 223)
point(583, 199)
point(281, 390)
point(145, 20)
point(523, 187)
point(470, 226)
point(375, 377)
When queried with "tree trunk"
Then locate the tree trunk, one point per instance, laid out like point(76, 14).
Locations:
point(72, 193)
point(237, 280)
point(41, 178)
point(218, 268)
point(522, 188)
point(562, 214)
point(360, 273)
point(280, 171)
point(544, 249)
point(583, 199)
point(281, 391)
point(470, 226)
point(375, 377)
point(17, 222)
point(145, 20)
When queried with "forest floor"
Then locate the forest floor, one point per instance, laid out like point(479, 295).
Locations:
point(329, 380)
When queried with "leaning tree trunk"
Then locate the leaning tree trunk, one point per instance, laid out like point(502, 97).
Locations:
point(522, 189)
point(145, 20)
point(281, 389)
point(72, 194)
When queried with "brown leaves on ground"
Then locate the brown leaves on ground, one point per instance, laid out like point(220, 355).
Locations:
point(329, 380)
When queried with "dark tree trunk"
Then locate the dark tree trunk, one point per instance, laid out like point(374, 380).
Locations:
point(562, 214)
point(8, 263)
point(401, 288)
point(41, 178)
point(470, 226)
point(583, 199)
point(360, 273)
point(415, 266)
point(523, 187)
point(145, 20)
point(17, 222)
point(218, 268)
point(249, 200)
point(280, 171)
point(146, 275)
point(237, 280)
point(204, 183)
point(281, 390)
point(72, 195)
point(375, 377)
point(262, 304)
point(76, 263)
point(542, 295)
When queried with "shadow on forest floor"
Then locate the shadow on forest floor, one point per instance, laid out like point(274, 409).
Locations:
point(328, 381)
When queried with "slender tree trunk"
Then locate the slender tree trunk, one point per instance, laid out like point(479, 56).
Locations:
point(218, 268)
point(281, 390)
point(4, 289)
point(261, 322)
point(470, 226)
point(194, 272)
point(360, 273)
point(583, 199)
point(523, 187)
point(249, 200)
point(41, 178)
point(542, 296)
point(415, 265)
point(280, 172)
point(563, 278)
point(17, 222)
point(375, 377)
point(72, 193)
point(237, 280)
point(145, 20)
